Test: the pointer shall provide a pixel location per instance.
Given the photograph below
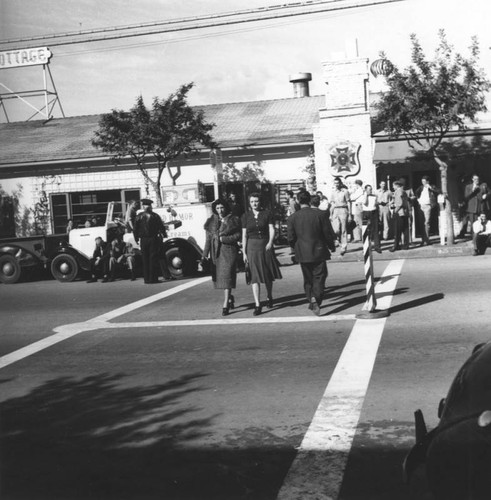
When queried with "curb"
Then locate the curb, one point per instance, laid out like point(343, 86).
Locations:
point(355, 254)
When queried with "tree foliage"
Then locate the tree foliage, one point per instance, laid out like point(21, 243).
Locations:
point(154, 137)
point(251, 172)
point(430, 98)
point(309, 170)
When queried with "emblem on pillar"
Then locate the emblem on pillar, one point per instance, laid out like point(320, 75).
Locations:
point(345, 160)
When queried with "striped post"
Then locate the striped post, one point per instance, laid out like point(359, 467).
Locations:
point(371, 303)
point(369, 309)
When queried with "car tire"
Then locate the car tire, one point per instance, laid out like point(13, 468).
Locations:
point(180, 262)
point(10, 269)
point(64, 267)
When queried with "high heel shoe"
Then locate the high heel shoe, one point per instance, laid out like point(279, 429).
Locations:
point(257, 311)
point(231, 302)
point(269, 304)
point(225, 311)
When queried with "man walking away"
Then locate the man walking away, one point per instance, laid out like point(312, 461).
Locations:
point(311, 234)
point(149, 229)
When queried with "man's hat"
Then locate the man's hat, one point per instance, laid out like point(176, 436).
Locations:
point(146, 201)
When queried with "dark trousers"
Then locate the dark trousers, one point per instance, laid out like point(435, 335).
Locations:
point(101, 267)
point(401, 229)
point(467, 217)
point(372, 219)
point(481, 242)
point(150, 258)
point(314, 279)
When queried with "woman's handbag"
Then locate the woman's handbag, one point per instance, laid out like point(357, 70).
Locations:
point(247, 271)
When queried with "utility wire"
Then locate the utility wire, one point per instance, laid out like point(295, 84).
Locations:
point(200, 22)
point(169, 22)
point(168, 41)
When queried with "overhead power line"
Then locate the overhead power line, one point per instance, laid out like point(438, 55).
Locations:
point(192, 23)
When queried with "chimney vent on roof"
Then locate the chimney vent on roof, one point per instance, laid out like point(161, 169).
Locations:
point(301, 84)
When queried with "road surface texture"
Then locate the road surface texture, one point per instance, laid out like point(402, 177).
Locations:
point(130, 391)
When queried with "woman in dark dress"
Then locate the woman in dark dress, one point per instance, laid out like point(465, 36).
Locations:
point(223, 231)
point(257, 244)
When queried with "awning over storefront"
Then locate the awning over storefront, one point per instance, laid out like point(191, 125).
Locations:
point(458, 144)
point(396, 151)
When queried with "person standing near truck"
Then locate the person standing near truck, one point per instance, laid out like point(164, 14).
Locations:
point(130, 215)
point(148, 232)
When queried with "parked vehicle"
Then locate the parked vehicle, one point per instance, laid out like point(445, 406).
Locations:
point(67, 256)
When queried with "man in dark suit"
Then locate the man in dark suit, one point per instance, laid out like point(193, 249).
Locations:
point(311, 234)
point(401, 217)
point(148, 231)
point(99, 261)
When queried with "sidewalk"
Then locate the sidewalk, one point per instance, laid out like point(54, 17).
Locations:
point(355, 251)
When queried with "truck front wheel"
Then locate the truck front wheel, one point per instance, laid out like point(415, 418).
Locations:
point(64, 267)
point(10, 269)
point(181, 262)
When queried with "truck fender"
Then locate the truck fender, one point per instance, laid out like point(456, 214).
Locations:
point(82, 260)
point(24, 257)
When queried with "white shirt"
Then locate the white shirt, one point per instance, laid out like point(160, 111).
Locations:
point(477, 227)
point(424, 198)
point(372, 203)
point(324, 204)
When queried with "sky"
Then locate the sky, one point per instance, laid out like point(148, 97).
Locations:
point(229, 64)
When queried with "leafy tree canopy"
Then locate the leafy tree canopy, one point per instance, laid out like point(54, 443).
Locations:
point(432, 97)
point(169, 130)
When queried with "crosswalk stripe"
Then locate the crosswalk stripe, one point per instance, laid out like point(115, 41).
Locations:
point(317, 471)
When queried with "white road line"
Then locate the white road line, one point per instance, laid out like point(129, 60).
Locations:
point(144, 302)
point(67, 331)
point(236, 321)
point(318, 469)
point(102, 322)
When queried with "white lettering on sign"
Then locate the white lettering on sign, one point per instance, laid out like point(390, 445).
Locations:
point(179, 234)
point(24, 57)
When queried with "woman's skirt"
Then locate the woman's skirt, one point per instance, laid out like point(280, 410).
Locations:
point(225, 275)
point(262, 263)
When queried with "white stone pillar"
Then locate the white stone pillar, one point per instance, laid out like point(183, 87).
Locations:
point(342, 139)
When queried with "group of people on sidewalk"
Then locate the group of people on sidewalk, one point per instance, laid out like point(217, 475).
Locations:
point(309, 231)
point(388, 212)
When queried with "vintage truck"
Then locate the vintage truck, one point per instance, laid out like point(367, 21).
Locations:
point(67, 256)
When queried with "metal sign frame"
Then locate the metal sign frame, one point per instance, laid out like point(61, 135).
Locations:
point(49, 92)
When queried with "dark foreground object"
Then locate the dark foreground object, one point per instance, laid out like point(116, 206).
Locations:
point(458, 451)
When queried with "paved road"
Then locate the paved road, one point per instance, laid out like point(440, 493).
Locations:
point(121, 390)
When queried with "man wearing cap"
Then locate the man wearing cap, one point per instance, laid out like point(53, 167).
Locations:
point(148, 231)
